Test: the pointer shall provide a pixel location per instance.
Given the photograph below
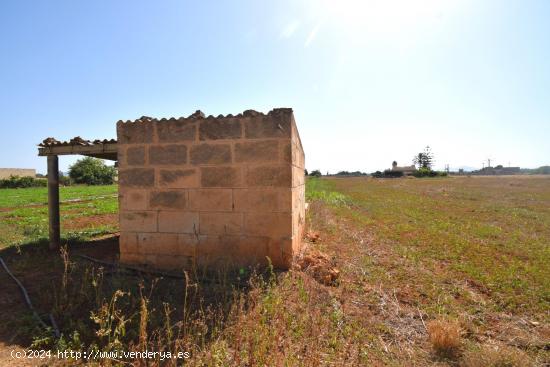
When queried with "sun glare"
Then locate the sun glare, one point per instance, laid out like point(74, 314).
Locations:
point(383, 17)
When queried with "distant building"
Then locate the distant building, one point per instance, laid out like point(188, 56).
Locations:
point(407, 170)
point(20, 172)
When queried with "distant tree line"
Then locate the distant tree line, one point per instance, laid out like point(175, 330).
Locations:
point(317, 173)
point(388, 173)
point(426, 172)
point(542, 170)
point(314, 173)
point(86, 171)
point(354, 173)
point(16, 182)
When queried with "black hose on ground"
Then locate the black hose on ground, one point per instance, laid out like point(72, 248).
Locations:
point(29, 303)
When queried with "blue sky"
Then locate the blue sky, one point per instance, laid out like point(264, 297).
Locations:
point(370, 81)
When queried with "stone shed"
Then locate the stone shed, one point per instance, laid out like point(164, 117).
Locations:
point(211, 190)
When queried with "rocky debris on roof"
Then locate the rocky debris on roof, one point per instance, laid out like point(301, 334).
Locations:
point(250, 113)
point(105, 141)
point(197, 115)
point(201, 115)
point(48, 142)
point(77, 140)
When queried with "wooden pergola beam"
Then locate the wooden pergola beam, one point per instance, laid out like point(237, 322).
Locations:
point(103, 151)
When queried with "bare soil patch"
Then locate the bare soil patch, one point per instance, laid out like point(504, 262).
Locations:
point(91, 221)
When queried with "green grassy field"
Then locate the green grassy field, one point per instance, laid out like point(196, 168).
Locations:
point(493, 234)
point(440, 271)
point(85, 211)
point(471, 250)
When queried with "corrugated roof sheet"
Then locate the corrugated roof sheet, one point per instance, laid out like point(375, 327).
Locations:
point(200, 115)
point(77, 140)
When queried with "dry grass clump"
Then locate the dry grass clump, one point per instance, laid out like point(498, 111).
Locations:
point(495, 356)
point(444, 336)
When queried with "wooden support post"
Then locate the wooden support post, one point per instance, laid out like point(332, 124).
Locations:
point(53, 201)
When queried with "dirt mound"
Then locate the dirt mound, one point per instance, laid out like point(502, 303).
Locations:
point(320, 266)
point(313, 237)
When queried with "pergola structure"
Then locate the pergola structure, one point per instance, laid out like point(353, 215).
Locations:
point(52, 148)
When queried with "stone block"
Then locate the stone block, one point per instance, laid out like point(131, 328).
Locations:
point(173, 154)
point(158, 243)
point(134, 133)
point(252, 250)
point(257, 151)
point(211, 250)
point(168, 199)
point(136, 177)
point(133, 199)
point(220, 250)
point(157, 248)
point(176, 130)
point(178, 178)
point(233, 250)
point(281, 253)
point(297, 244)
point(128, 243)
point(178, 222)
point(188, 244)
point(138, 221)
point(278, 176)
point(262, 127)
point(210, 154)
point(220, 223)
point(298, 176)
point(298, 158)
point(262, 200)
point(287, 152)
point(211, 200)
point(131, 258)
point(268, 224)
point(220, 129)
point(135, 156)
point(221, 177)
point(173, 262)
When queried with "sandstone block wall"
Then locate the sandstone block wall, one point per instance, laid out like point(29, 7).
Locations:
point(210, 190)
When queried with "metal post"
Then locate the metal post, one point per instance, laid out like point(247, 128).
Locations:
point(53, 201)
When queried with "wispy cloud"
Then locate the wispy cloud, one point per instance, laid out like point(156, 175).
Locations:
point(312, 35)
point(289, 29)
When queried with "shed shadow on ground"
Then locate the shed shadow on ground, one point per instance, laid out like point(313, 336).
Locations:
point(74, 289)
